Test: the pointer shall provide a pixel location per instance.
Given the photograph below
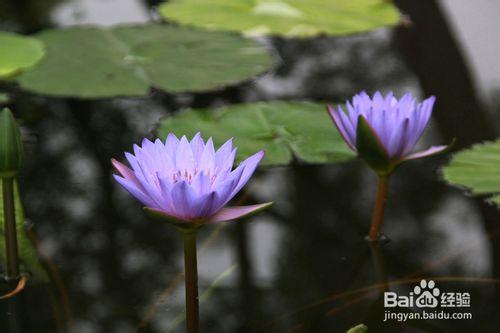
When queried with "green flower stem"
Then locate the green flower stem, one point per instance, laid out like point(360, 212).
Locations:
point(10, 228)
point(378, 209)
point(191, 277)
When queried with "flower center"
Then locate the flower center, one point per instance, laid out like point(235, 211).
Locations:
point(188, 177)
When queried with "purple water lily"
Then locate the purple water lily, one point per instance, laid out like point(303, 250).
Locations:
point(384, 131)
point(188, 181)
point(397, 125)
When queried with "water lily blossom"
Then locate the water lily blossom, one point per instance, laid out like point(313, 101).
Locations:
point(384, 132)
point(188, 182)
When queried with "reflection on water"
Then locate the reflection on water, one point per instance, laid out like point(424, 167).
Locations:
point(301, 267)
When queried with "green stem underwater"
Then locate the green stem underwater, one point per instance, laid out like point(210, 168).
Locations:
point(191, 277)
point(378, 209)
point(10, 228)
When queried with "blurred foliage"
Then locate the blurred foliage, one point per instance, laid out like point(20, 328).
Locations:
point(26, 15)
point(285, 130)
point(477, 169)
point(91, 62)
point(27, 252)
point(4, 98)
point(18, 54)
point(290, 18)
point(361, 328)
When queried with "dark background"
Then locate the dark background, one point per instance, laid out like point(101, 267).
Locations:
point(287, 270)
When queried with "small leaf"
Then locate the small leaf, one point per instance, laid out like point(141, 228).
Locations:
point(18, 53)
point(91, 62)
point(477, 169)
point(284, 130)
point(290, 18)
point(370, 148)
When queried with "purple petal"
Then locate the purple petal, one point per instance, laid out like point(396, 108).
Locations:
point(182, 199)
point(197, 146)
point(207, 160)
point(136, 192)
point(147, 145)
point(125, 172)
point(249, 165)
point(201, 183)
point(171, 144)
point(428, 152)
point(397, 142)
point(233, 213)
point(340, 126)
point(203, 206)
point(184, 159)
point(166, 215)
point(226, 188)
point(223, 152)
point(349, 125)
point(166, 187)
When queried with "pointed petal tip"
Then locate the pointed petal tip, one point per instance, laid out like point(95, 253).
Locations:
point(121, 168)
point(145, 141)
point(434, 150)
point(171, 136)
point(238, 212)
point(197, 136)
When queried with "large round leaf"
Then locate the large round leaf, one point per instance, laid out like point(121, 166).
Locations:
point(93, 62)
point(291, 18)
point(18, 53)
point(477, 169)
point(285, 130)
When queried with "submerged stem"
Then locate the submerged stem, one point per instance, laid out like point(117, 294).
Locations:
point(191, 276)
point(10, 228)
point(378, 209)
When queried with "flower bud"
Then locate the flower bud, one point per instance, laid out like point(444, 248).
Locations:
point(11, 146)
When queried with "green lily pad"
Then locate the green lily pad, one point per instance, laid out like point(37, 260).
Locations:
point(27, 252)
point(285, 130)
point(91, 62)
point(477, 169)
point(290, 18)
point(18, 54)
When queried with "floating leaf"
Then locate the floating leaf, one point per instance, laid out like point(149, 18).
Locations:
point(27, 252)
point(477, 169)
point(291, 18)
point(18, 53)
point(91, 62)
point(283, 129)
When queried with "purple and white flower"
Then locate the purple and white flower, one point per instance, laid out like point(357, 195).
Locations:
point(188, 181)
point(395, 125)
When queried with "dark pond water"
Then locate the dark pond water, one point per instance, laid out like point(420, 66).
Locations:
point(301, 267)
